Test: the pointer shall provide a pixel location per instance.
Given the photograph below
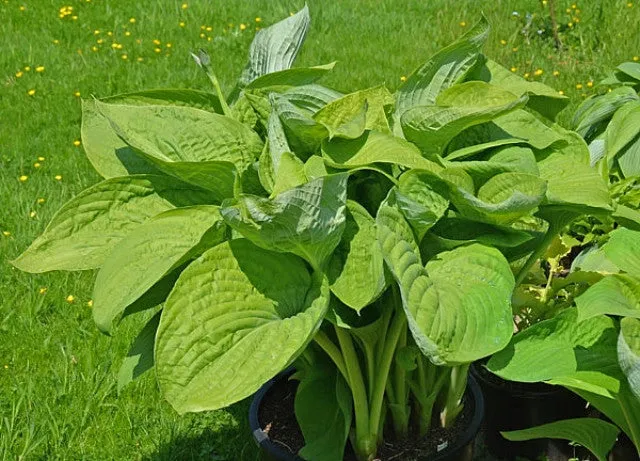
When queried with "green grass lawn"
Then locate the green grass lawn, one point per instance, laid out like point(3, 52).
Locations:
point(58, 398)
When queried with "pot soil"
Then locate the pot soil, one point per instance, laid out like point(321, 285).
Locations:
point(275, 429)
point(512, 406)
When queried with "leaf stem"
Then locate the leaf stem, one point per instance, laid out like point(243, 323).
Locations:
point(332, 351)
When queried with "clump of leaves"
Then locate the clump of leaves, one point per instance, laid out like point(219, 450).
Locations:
point(372, 239)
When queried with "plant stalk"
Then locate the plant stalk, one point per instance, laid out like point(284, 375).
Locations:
point(332, 351)
point(453, 400)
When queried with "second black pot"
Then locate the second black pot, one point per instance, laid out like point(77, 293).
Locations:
point(513, 406)
point(462, 450)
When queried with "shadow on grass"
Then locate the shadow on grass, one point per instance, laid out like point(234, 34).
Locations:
point(225, 443)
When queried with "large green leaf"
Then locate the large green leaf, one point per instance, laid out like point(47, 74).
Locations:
point(374, 147)
point(571, 182)
point(87, 228)
point(303, 132)
point(139, 359)
point(516, 127)
point(623, 128)
point(420, 202)
point(458, 306)
point(542, 98)
point(560, 347)
point(509, 159)
point(237, 316)
point(149, 253)
point(601, 108)
point(444, 69)
point(307, 220)
point(356, 269)
point(623, 249)
point(326, 421)
point(111, 156)
point(432, 127)
point(311, 97)
point(350, 115)
point(196, 146)
point(629, 352)
point(632, 69)
point(629, 159)
point(459, 229)
point(287, 78)
point(275, 48)
point(617, 294)
point(596, 435)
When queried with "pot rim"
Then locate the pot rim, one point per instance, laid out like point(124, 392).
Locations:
point(514, 388)
point(263, 440)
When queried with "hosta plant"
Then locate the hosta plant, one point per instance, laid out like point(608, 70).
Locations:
point(371, 239)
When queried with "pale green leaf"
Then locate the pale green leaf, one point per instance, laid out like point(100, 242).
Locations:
point(542, 98)
point(311, 97)
point(629, 159)
point(374, 147)
point(149, 253)
point(420, 202)
point(623, 249)
point(632, 69)
point(275, 48)
point(431, 128)
point(592, 433)
point(458, 306)
point(284, 79)
point(111, 156)
point(290, 174)
point(139, 359)
point(196, 146)
point(356, 269)
point(88, 227)
point(303, 133)
point(617, 294)
point(629, 352)
point(601, 108)
point(237, 316)
point(623, 128)
point(307, 220)
point(443, 70)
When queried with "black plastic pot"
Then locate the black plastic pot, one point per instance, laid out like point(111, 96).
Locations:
point(512, 406)
point(462, 450)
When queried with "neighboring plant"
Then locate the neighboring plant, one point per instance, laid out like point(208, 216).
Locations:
point(371, 239)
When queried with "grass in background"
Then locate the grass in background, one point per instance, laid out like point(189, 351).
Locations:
point(57, 372)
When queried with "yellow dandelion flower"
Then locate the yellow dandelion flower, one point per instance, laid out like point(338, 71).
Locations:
point(629, 5)
point(90, 303)
point(258, 19)
point(579, 86)
point(110, 33)
point(503, 42)
point(70, 298)
point(36, 165)
point(132, 20)
point(570, 24)
point(6, 233)
point(27, 68)
point(94, 48)
point(58, 177)
point(157, 50)
point(139, 59)
point(209, 39)
point(75, 18)
point(185, 6)
point(538, 72)
point(556, 73)
point(208, 28)
point(463, 24)
point(76, 94)
point(168, 45)
point(41, 200)
point(526, 75)
point(32, 214)
point(636, 58)
point(203, 27)
point(6, 367)
point(127, 33)
point(31, 92)
point(124, 57)
point(181, 24)
point(544, 2)
point(514, 69)
point(41, 159)
point(76, 143)
point(114, 45)
point(576, 20)
point(42, 290)
point(574, 6)
point(22, 8)
point(40, 69)
point(203, 35)
point(156, 42)
point(590, 83)
point(403, 79)
point(19, 74)
point(514, 49)
point(56, 41)
point(23, 178)
point(96, 32)
point(243, 26)
point(100, 41)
